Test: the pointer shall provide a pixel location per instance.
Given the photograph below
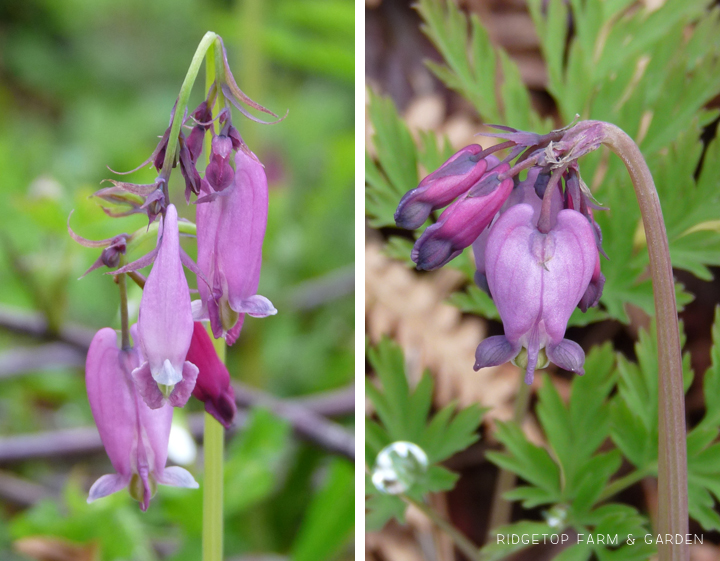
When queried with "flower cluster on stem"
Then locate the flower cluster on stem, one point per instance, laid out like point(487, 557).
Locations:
point(536, 244)
point(133, 387)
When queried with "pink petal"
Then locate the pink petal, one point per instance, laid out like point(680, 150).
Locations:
point(107, 485)
point(182, 390)
point(165, 320)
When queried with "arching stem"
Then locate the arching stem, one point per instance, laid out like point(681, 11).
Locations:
point(672, 450)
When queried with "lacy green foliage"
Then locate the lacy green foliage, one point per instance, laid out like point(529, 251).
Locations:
point(471, 64)
point(634, 424)
point(649, 72)
point(573, 478)
point(396, 170)
point(572, 474)
point(703, 448)
point(404, 415)
point(634, 411)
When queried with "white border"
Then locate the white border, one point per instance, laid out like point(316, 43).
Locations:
point(359, 280)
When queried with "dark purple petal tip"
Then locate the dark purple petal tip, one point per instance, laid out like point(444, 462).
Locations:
point(568, 355)
point(494, 351)
point(411, 213)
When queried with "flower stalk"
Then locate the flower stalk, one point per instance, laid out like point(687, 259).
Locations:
point(124, 322)
point(213, 432)
point(672, 450)
point(203, 48)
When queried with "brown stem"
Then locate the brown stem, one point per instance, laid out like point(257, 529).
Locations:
point(672, 451)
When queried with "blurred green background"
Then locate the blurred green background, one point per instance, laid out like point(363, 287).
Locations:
point(86, 84)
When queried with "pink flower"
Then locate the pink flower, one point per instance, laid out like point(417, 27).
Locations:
point(165, 324)
point(135, 437)
point(230, 233)
point(536, 281)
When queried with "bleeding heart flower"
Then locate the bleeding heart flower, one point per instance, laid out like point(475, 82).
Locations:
point(135, 437)
point(536, 281)
point(165, 324)
point(230, 233)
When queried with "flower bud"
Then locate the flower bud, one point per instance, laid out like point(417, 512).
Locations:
point(462, 222)
point(213, 382)
point(441, 187)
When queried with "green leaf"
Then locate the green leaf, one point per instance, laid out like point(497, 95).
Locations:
point(255, 460)
point(404, 415)
point(473, 300)
point(703, 451)
point(397, 158)
point(527, 460)
point(328, 523)
point(381, 508)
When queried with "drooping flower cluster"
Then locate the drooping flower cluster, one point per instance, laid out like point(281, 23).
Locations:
point(536, 244)
point(133, 387)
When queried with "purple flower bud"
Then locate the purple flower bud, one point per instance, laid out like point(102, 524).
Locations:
point(165, 324)
point(203, 118)
point(188, 169)
point(219, 173)
point(213, 382)
point(536, 281)
point(230, 233)
point(135, 437)
point(594, 290)
point(462, 222)
point(441, 187)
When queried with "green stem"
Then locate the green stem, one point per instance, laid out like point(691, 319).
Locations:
point(182, 100)
point(623, 483)
point(124, 322)
point(213, 443)
point(501, 509)
point(212, 532)
point(214, 434)
point(672, 450)
point(470, 550)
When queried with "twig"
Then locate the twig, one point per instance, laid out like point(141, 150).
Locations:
point(470, 550)
point(21, 491)
point(36, 325)
point(335, 403)
point(318, 291)
point(50, 356)
point(306, 422)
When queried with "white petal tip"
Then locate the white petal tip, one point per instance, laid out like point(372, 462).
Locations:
point(167, 375)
